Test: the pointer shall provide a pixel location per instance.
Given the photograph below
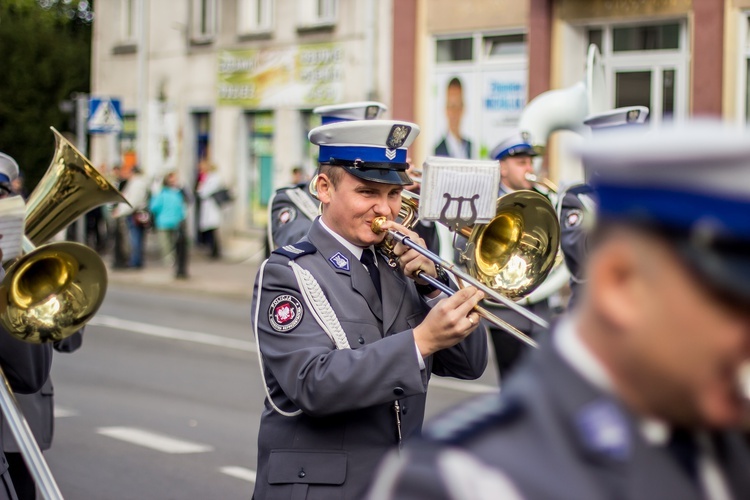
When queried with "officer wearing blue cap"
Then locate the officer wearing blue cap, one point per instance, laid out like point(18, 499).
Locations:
point(515, 154)
point(293, 208)
point(578, 201)
point(347, 343)
point(638, 393)
point(9, 172)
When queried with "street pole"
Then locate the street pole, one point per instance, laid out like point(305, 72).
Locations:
point(82, 114)
point(141, 134)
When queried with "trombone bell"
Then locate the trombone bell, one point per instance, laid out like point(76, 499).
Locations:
point(516, 250)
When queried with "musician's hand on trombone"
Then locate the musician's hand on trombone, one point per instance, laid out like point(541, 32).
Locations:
point(409, 260)
point(449, 322)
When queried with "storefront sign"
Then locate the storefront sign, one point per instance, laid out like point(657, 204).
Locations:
point(302, 75)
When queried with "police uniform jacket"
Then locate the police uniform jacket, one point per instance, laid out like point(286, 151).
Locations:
point(288, 223)
point(574, 233)
point(553, 435)
point(26, 367)
point(348, 422)
point(38, 407)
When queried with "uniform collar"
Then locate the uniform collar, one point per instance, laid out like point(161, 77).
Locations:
point(577, 354)
point(353, 249)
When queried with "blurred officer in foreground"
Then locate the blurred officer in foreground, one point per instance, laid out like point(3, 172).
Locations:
point(348, 343)
point(578, 203)
point(515, 155)
point(293, 208)
point(26, 366)
point(637, 395)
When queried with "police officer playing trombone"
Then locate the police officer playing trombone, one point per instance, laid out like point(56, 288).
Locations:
point(347, 343)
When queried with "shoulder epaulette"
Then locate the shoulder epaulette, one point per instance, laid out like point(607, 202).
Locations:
point(473, 417)
point(296, 250)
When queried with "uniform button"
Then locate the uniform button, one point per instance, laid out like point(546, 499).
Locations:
point(301, 474)
point(361, 340)
point(398, 391)
point(404, 409)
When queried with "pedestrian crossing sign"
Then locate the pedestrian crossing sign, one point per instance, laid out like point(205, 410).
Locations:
point(104, 115)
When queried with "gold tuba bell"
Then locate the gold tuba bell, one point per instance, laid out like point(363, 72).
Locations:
point(54, 289)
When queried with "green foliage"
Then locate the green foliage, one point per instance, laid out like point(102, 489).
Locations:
point(45, 48)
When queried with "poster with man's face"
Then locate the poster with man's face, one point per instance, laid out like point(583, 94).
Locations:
point(485, 111)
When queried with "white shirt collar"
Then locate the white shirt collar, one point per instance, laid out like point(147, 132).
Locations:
point(577, 354)
point(455, 146)
point(354, 249)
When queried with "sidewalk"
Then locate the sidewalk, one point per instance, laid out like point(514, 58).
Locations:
point(231, 276)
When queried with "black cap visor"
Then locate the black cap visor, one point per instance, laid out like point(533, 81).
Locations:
point(384, 173)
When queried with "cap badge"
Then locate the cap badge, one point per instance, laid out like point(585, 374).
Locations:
point(390, 154)
point(371, 112)
point(526, 137)
point(340, 262)
point(397, 136)
point(285, 313)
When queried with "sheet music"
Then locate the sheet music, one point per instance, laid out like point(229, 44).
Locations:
point(446, 180)
point(12, 218)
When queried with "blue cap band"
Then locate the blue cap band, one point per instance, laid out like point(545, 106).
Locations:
point(680, 210)
point(4, 178)
point(521, 148)
point(325, 120)
point(363, 153)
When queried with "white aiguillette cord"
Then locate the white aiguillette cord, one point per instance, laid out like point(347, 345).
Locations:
point(319, 307)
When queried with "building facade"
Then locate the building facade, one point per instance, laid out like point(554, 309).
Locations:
point(233, 81)
point(679, 58)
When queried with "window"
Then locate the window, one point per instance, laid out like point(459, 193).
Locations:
point(128, 19)
point(505, 45)
point(313, 13)
point(658, 37)
point(254, 16)
point(645, 65)
point(454, 49)
point(203, 20)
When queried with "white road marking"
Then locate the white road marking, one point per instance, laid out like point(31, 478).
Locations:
point(166, 332)
point(153, 440)
point(239, 472)
point(61, 412)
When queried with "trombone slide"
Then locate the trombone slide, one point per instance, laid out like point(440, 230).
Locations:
point(449, 266)
point(480, 310)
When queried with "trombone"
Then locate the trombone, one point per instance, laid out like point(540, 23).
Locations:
point(511, 254)
point(54, 289)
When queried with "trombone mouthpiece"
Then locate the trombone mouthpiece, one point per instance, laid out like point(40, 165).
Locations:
point(377, 224)
point(532, 178)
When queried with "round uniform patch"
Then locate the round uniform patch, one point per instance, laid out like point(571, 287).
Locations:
point(574, 218)
point(287, 214)
point(285, 313)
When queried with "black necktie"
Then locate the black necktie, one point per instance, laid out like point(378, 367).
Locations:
point(684, 449)
point(368, 259)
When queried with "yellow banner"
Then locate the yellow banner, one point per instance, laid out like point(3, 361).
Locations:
point(302, 76)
